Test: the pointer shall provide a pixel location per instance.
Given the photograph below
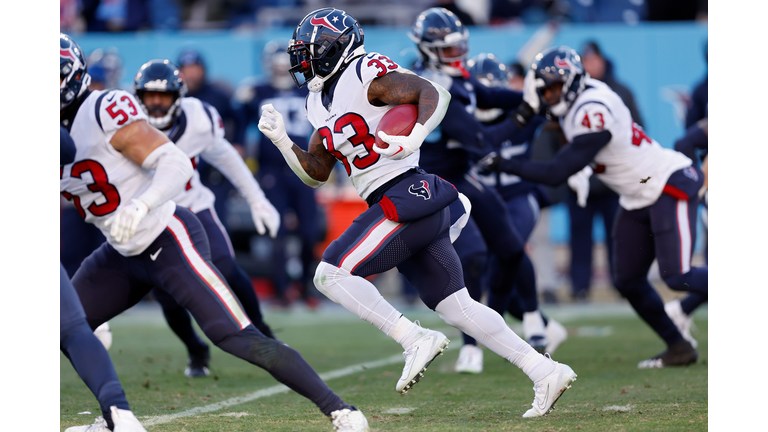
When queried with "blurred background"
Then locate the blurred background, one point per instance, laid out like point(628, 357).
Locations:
point(654, 51)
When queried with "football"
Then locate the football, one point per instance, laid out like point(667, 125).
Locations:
point(397, 121)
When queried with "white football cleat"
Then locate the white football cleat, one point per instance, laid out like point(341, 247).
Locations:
point(682, 321)
point(125, 421)
point(550, 388)
point(100, 425)
point(470, 359)
point(104, 334)
point(419, 356)
point(556, 335)
point(349, 421)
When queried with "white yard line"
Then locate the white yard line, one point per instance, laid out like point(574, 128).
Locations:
point(270, 391)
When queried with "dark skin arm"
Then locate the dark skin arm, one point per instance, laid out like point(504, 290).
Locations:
point(404, 88)
point(390, 89)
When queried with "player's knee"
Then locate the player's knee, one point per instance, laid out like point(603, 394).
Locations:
point(327, 275)
point(676, 282)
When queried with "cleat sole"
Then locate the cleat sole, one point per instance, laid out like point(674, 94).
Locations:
point(418, 376)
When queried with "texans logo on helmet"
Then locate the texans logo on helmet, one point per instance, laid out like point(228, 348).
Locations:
point(562, 63)
point(67, 53)
point(325, 22)
point(422, 191)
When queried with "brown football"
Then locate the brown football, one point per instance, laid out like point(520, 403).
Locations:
point(400, 120)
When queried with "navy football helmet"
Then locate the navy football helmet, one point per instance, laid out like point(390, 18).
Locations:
point(559, 65)
point(442, 40)
point(323, 44)
point(72, 70)
point(277, 62)
point(491, 72)
point(160, 75)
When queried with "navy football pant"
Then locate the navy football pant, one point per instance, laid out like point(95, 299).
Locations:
point(286, 191)
point(109, 283)
point(665, 231)
point(78, 239)
point(523, 212)
point(421, 250)
point(582, 222)
point(223, 258)
point(86, 353)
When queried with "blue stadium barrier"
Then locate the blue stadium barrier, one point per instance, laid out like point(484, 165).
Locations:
point(660, 63)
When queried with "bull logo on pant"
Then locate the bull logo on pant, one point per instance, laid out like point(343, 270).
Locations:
point(422, 191)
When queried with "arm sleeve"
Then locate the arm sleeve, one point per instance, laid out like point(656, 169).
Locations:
point(223, 156)
point(567, 161)
point(473, 135)
point(496, 97)
point(67, 147)
point(694, 139)
point(172, 171)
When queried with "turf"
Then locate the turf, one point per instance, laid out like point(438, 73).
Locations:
point(604, 347)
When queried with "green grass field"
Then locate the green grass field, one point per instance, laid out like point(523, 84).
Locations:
point(605, 345)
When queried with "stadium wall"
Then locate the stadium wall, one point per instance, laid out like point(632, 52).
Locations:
point(660, 63)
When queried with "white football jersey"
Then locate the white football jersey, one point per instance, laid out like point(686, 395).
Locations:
point(101, 179)
point(348, 125)
point(197, 130)
point(630, 156)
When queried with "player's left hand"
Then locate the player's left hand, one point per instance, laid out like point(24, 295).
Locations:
point(126, 220)
point(489, 162)
point(272, 126)
point(402, 146)
point(265, 217)
point(579, 182)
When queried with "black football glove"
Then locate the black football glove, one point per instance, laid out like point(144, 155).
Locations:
point(489, 162)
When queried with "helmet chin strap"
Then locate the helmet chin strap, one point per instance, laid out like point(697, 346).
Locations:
point(317, 83)
point(559, 109)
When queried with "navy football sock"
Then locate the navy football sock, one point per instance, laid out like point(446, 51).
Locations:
point(91, 361)
point(525, 282)
point(690, 303)
point(647, 303)
point(285, 364)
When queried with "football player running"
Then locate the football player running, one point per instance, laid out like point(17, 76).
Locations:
point(122, 180)
point(407, 222)
point(77, 341)
point(197, 130)
point(441, 40)
point(658, 187)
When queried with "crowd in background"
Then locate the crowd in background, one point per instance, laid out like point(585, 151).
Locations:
point(135, 15)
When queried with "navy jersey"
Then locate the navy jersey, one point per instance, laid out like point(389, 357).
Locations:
point(460, 138)
point(290, 103)
point(518, 146)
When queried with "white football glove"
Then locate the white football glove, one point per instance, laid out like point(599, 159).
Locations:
point(126, 220)
point(402, 146)
point(265, 214)
point(272, 126)
point(530, 95)
point(579, 182)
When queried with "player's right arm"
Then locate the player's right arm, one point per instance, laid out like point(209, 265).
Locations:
point(129, 133)
point(314, 166)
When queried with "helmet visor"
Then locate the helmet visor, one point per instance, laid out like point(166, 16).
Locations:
point(453, 53)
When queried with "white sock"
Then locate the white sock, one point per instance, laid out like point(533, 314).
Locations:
point(407, 332)
point(533, 324)
point(359, 297)
point(488, 328)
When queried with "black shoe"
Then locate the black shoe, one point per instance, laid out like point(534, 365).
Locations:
point(678, 354)
point(197, 365)
point(549, 297)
